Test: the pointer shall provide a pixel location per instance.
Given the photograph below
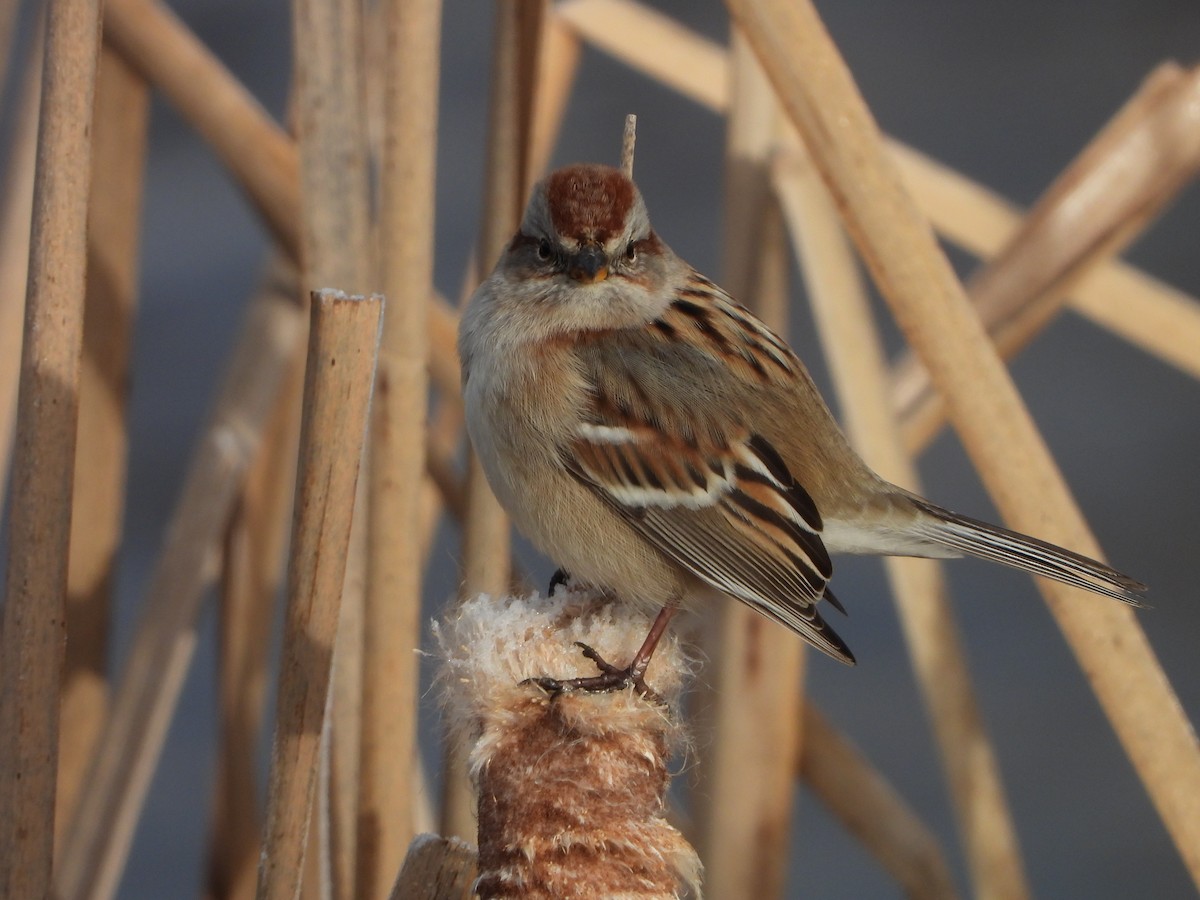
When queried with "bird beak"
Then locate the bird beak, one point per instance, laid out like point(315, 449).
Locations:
point(589, 265)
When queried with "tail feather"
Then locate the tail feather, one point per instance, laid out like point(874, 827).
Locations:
point(976, 538)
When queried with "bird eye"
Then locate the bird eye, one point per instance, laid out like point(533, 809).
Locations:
point(631, 252)
point(544, 250)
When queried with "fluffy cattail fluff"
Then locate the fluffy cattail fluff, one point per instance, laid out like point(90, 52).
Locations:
point(571, 788)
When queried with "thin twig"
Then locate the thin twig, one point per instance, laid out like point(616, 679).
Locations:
point(931, 307)
point(628, 142)
point(854, 352)
point(31, 643)
point(342, 348)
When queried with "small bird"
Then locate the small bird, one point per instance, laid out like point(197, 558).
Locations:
point(654, 438)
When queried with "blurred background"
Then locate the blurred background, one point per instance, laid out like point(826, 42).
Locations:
point(1007, 93)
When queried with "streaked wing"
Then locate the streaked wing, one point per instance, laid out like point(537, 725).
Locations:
point(729, 512)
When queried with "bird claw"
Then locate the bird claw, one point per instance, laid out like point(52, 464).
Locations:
point(611, 678)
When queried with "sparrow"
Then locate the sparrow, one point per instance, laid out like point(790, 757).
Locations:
point(654, 438)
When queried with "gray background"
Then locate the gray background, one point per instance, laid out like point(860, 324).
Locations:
point(1005, 92)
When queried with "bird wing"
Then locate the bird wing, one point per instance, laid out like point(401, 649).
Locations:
point(701, 486)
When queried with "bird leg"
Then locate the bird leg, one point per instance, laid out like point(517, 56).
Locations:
point(612, 678)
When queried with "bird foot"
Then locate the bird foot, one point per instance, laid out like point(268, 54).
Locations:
point(560, 578)
point(610, 679)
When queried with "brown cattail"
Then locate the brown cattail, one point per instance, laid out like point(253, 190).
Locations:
point(571, 787)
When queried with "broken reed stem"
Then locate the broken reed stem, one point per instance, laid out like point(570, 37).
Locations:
point(1157, 317)
point(32, 640)
point(1112, 190)
point(746, 775)
point(436, 868)
point(393, 601)
point(871, 810)
point(16, 212)
point(898, 246)
point(572, 788)
point(855, 355)
point(161, 648)
point(118, 160)
point(342, 347)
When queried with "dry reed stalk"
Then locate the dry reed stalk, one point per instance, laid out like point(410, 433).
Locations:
point(118, 158)
point(32, 640)
point(260, 156)
point(338, 251)
point(444, 369)
point(392, 632)
point(343, 344)
point(436, 868)
point(330, 124)
point(16, 212)
point(1115, 187)
point(872, 811)
point(161, 648)
point(571, 787)
point(251, 575)
point(855, 355)
point(515, 49)
point(756, 670)
point(558, 65)
point(931, 307)
point(8, 21)
point(654, 44)
point(559, 62)
point(254, 149)
point(258, 153)
point(1155, 316)
point(344, 728)
point(516, 59)
point(241, 133)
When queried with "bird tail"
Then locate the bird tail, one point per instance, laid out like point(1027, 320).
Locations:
point(975, 538)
